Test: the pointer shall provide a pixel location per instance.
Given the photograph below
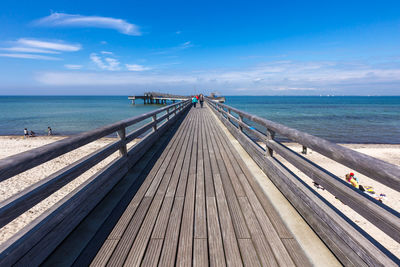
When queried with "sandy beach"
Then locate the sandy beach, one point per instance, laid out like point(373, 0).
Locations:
point(387, 152)
point(11, 145)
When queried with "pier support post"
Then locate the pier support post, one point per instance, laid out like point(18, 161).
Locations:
point(270, 136)
point(123, 151)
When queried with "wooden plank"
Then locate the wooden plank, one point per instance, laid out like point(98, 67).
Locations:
point(103, 255)
point(138, 248)
point(168, 252)
point(215, 245)
point(249, 254)
point(277, 246)
point(231, 246)
point(243, 172)
point(296, 252)
point(209, 184)
point(231, 198)
point(200, 252)
point(162, 220)
point(123, 251)
point(130, 210)
point(152, 253)
point(185, 247)
point(200, 223)
point(260, 241)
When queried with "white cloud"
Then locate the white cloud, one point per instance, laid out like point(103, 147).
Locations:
point(136, 67)
point(106, 64)
point(73, 67)
point(186, 45)
point(29, 50)
point(106, 53)
point(70, 20)
point(57, 46)
point(273, 76)
point(28, 56)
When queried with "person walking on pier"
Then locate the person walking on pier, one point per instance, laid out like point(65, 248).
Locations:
point(194, 101)
point(49, 131)
point(201, 99)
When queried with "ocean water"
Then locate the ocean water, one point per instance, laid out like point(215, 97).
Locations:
point(338, 119)
point(66, 115)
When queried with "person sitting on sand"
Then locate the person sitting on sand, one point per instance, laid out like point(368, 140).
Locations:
point(32, 134)
point(352, 180)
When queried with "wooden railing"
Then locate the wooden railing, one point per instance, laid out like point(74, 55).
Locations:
point(349, 243)
point(61, 218)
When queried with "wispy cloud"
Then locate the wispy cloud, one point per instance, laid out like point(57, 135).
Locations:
point(136, 67)
point(29, 50)
point(106, 52)
point(73, 67)
point(28, 56)
point(105, 63)
point(72, 20)
point(32, 48)
point(311, 76)
point(175, 49)
point(55, 46)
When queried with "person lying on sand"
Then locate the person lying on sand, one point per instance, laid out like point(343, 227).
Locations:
point(369, 190)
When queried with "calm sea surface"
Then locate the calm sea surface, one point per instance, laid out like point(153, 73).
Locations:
point(338, 119)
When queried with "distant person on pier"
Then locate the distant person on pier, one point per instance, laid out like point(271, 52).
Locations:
point(49, 131)
point(201, 99)
point(26, 134)
point(194, 101)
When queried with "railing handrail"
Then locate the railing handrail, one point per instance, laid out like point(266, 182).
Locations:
point(24, 161)
point(379, 170)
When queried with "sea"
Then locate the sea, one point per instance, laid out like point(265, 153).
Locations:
point(340, 119)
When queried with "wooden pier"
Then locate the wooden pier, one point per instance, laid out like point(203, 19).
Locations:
point(192, 192)
point(157, 98)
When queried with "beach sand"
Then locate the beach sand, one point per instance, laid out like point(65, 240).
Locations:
point(386, 152)
point(11, 145)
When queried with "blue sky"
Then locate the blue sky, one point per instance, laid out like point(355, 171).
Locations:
point(235, 48)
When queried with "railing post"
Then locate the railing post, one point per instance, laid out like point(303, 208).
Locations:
point(123, 151)
point(241, 120)
point(229, 112)
point(155, 123)
point(270, 136)
point(174, 111)
point(168, 114)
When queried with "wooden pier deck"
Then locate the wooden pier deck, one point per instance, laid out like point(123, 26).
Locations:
point(184, 194)
point(199, 205)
